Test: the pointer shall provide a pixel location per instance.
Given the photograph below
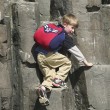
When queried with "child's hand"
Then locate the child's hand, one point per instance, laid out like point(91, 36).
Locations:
point(87, 63)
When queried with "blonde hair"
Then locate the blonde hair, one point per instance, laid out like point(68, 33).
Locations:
point(70, 19)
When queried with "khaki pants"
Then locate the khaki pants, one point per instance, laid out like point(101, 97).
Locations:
point(48, 64)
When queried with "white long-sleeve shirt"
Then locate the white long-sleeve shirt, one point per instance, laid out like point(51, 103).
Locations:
point(77, 53)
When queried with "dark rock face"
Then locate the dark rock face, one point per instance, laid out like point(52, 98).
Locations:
point(105, 2)
point(88, 89)
point(60, 7)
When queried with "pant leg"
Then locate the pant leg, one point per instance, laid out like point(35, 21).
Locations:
point(48, 64)
point(47, 71)
point(60, 61)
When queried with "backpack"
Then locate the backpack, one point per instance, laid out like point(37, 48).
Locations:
point(44, 34)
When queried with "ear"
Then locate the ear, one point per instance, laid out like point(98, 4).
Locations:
point(64, 24)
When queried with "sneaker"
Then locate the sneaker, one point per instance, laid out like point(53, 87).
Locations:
point(41, 91)
point(59, 83)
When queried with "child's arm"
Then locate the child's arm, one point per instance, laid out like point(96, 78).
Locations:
point(79, 56)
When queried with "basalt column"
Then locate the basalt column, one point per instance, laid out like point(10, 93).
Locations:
point(93, 39)
point(25, 22)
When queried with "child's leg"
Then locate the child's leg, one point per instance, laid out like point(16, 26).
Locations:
point(41, 91)
point(48, 63)
point(47, 71)
point(49, 75)
point(58, 60)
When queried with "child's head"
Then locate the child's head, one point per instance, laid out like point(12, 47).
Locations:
point(70, 22)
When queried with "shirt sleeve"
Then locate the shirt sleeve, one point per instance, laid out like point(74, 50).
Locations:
point(70, 46)
point(77, 53)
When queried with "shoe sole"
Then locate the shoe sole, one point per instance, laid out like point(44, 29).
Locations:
point(42, 99)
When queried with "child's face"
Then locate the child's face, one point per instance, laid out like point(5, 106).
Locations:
point(68, 28)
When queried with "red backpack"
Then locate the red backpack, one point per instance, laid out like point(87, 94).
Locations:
point(46, 33)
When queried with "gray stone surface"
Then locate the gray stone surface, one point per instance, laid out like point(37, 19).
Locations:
point(59, 99)
point(60, 7)
point(89, 35)
point(94, 2)
point(27, 25)
point(97, 80)
point(92, 36)
point(105, 10)
point(88, 89)
point(44, 8)
point(3, 40)
point(2, 9)
point(93, 40)
point(5, 81)
point(5, 77)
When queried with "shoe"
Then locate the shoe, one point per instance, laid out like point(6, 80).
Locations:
point(41, 91)
point(59, 83)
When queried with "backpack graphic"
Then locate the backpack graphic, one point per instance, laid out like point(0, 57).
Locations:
point(44, 35)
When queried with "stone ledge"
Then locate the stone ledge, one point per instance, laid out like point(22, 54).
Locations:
point(55, 98)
